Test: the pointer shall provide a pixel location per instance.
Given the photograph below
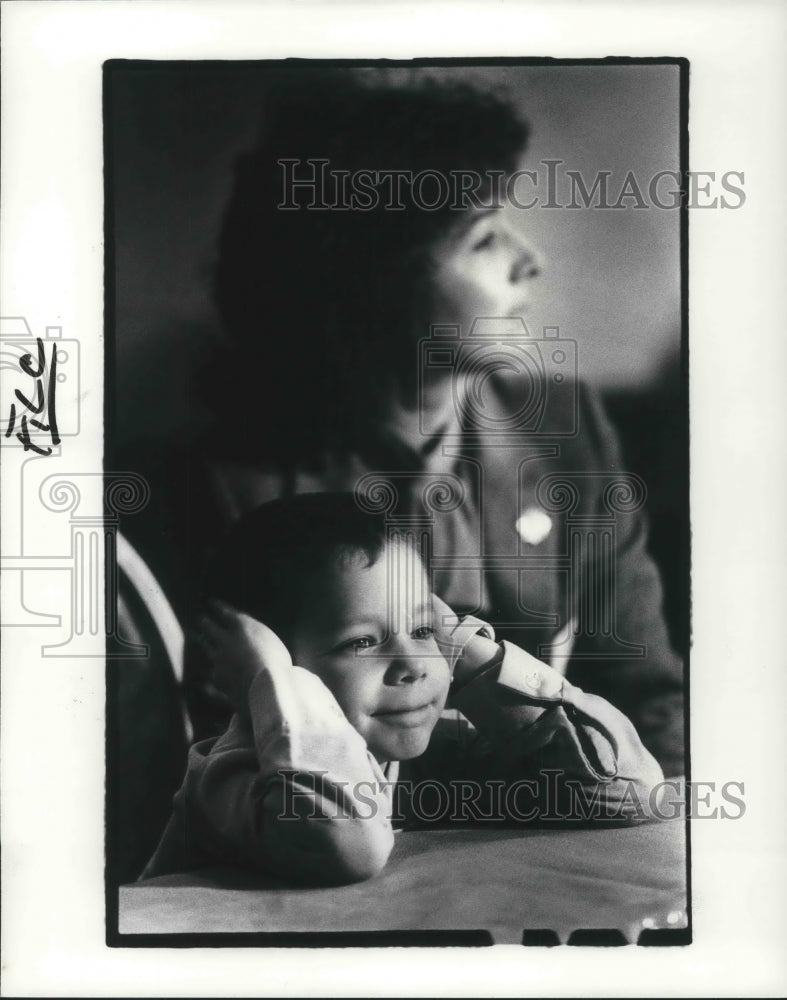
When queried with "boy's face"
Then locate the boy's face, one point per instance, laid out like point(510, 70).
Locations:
point(485, 270)
point(369, 637)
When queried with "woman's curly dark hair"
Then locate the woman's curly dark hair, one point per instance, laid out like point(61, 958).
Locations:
point(325, 308)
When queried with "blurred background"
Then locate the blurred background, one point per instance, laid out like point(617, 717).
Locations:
point(610, 281)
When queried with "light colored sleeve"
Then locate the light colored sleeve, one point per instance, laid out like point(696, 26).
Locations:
point(537, 722)
point(290, 788)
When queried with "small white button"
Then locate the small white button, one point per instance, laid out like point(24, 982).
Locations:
point(533, 526)
point(533, 680)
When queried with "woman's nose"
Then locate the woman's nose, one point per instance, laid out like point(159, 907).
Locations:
point(525, 265)
point(525, 260)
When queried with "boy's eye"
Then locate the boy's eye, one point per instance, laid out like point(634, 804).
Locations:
point(423, 632)
point(362, 642)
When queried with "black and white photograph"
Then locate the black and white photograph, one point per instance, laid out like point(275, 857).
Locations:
point(392, 512)
point(398, 352)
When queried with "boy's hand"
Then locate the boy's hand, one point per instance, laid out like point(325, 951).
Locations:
point(445, 621)
point(466, 656)
point(239, 647)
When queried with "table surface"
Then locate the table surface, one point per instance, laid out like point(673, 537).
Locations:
point(501, 881)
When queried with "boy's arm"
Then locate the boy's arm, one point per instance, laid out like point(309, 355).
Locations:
point(536, 721)
point(291, 787)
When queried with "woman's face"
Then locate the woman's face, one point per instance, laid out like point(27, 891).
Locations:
point(485, 270)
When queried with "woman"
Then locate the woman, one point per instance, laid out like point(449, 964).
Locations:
point(368, 223)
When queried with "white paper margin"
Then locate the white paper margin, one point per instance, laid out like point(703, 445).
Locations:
point(52, 273)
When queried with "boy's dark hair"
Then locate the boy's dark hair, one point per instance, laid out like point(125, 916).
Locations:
point(266, 562)
point(325, 308)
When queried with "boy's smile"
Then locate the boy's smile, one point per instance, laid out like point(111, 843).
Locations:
point(368, 635)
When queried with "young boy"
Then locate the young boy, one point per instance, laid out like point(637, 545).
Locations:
point(350, 676)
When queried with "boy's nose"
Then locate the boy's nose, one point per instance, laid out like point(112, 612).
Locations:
point(406, 670)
